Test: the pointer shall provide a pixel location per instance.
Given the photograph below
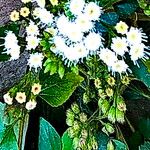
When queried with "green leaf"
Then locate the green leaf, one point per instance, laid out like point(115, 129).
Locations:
point(144, 127)
point(107, 3)
point(56, 91)
point(119, 145)
point(67, 142)
point(102, 140)
point(145, 146)
point(110, 18)
point(48, 137)
point(61, 70)
point(141, 73)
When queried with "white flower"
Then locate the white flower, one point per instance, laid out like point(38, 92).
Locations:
point(35, 61)
point(122, 27)
point(15, 53)
point(84, 23)
point(93, 11)
point(119, 45)
point(107, 56)
point(36, 88)
point(31, 104)
point(51, 30)
point(119, 66)
point(8, 99)
point(76, 6)
point(76, 52)
point(135, 36)
point(32, 29)
point(36, 11)
point(73, 32)
point(41, 3)
point(26, 1)
point(93, 41)
point(137, 52)
point(61, 24)
point(21, 97)
point(32, 42)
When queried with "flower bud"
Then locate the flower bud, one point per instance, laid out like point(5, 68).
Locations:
point(105, 131)
point(109, 128)
point(109, 92)
point(75, 108)
point(101, 94)
point(97, 83)
point(119, 116)
point(71, 132)
point(84, 133)
point(75, 142)
point(83, 117)
point(105, 106)
point(76, 125)
point(70, 114)
point(82, 142)
point(112, 114)
point(85, 98)
point(111, 81)
point(125, 80)
point(121, 104)
point(110, 146)
point(69, 121)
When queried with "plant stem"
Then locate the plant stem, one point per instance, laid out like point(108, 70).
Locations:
point(131, 127)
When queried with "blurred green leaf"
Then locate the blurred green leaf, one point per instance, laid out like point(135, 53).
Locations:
point(119, 145)
point(145, 146)
point(144, 127)
point(56, 91)
point(107, 3)
point(67, 142)
point(48, 137)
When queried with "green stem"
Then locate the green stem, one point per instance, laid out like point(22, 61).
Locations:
point(130, 125)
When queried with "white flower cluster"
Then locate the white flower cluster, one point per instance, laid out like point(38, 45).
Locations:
point(75, 39)
point(131, 42)
point(11, 45)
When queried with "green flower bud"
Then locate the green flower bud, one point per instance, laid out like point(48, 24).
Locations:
point(112, 114)
point(109, 92)
point(125, 80)
point(120, 116)
point(85, 98)
point(70, 114)
point(69, 122)
point(71, 132)
point(101, 94)
point(104, 130)
point(82, 142)
point(83, 117)
point(94, 143)
point(111, 81)
point(121, 104)
point(110, 146)
point(84, 133)
point(76, 125)
point(75, 142)
point(97, 83)
point(75, 108)
point(109, 127)
point(105, 106)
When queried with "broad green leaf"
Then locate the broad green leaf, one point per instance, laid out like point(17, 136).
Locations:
point(145, 146)
point(67, 142)
point(119, 145)
point(126, 8)
point(110, 18)
point(56, 91)
point(48, 137)
point(102, 140)
point(144, 127)
point(141, 73)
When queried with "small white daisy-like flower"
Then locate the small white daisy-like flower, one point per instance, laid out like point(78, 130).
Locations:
point(24, 12)
point(15, 53)
point(8, 99)
point(14, 16)
point(31, 104)
point(61, 24)
point(41, 3)
point(73, 32)
point(20, 97)
point(36, 88)
point(107, 56)
point(32, 29)
point(78, 51)
point(35, 61)
point(122, 27)
point(32, 42)
point(26, 1)
point(119, 45)
point(76, 6)
point(137, 52)
point(119, 66)
point(84, 23)
point(93, 42)
point(45, 16)
point(135, 36)
point(93, 11)
point(36, 12)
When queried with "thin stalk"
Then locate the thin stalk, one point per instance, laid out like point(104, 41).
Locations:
point(130, 125)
